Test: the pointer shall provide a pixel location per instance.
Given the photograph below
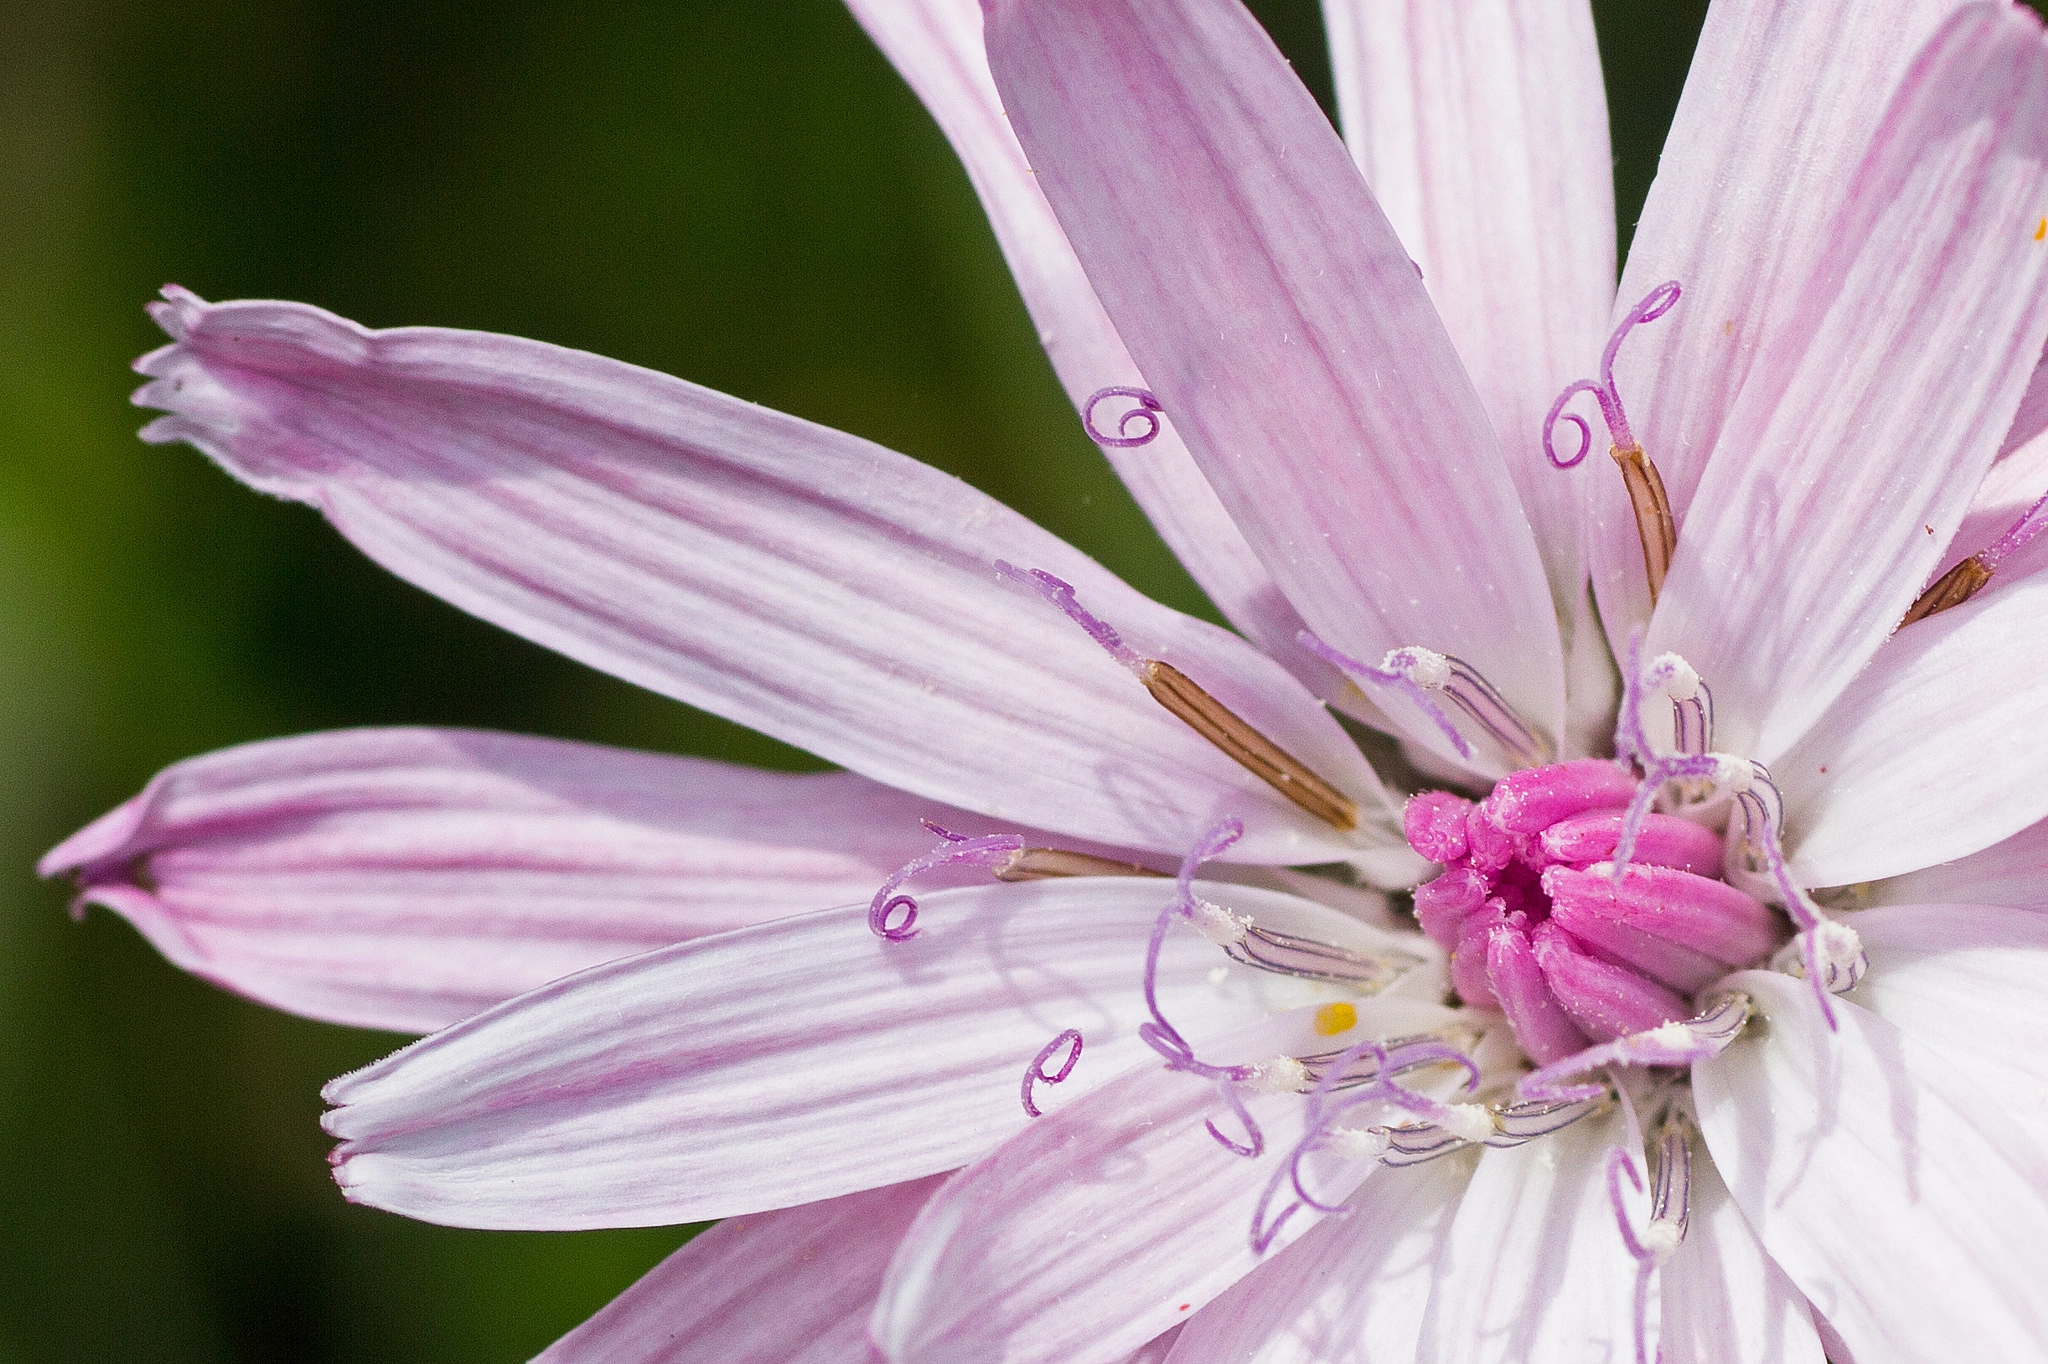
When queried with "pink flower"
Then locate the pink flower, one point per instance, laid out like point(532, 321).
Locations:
point(1830, 411)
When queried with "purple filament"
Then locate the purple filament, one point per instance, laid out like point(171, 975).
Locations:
point(1070, 1039)
point(1059, 593)
point(986, 850)
point(1166, 1039)
point(1618, 1163)
point(1146, 412)
point(2023, 530)
point(1655, 304)
point(1325, 1109)
point(1400, 681)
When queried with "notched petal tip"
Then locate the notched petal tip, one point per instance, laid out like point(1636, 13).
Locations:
point(177, 310)
point(104, 842)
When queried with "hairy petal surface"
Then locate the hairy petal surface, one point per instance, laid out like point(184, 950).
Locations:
point(1878, 403)
point(1281, 322)
point(790, 1287)
point(1898, 1196)
point(1778, 110)
point(792, 1061)
point(1722, 1297)
point(1352, 1290)
point(2032, 418)
point(1090, 1231)
point(407, 878)
point(936, 45)
point(1534, 1267)
point(807, 583)
point(1482, 130)
point(1934, 751)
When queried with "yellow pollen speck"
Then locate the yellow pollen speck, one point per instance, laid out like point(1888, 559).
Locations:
point(1332, 1019)
point(2041, 231)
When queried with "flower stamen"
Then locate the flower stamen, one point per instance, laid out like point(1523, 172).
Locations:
point(1291, 954)
point(1680, 1044)
point(1038, 864)
point(1654, 524)
point(1197, 709)
point(1671, 1179)
point(1969, 577)
point(1421, 674)
point(1166, 1039)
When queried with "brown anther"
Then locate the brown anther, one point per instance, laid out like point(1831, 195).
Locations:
point(1253, 751)
point(1038, 864)
point(1952, 588)
point(1654, 526)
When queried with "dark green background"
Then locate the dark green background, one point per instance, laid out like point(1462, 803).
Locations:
point(742, 194)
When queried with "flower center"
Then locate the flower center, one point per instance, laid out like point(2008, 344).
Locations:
point(1541, 929)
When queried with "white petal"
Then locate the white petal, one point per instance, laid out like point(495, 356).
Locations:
point(1906, 1206)
point(2012, 873)
point(791, 1061)
point(1967, 981)
point(1351, 1291)
point(1723, 1297)
point(1935, 751)
point(1535, 1269)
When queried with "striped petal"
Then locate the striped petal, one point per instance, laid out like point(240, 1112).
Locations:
point(408, 878)
point(804, 582)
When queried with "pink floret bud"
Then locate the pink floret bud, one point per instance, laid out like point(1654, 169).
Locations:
point(1435, 825)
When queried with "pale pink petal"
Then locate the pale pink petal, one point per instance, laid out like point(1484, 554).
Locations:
point(1723, 1299)
point(936, 45)
point(1965, 980)
point(406, 878)
point(1092, 1230)
point(1902, 1200)
point(2012, 873)
point(1778, 109)
point(1878, 401)
point(1935, 751)
point(1535, 1270)
point(1352, 1290)
point(1480, 125)
point(791, 1061)
point(2032, 418)
point(1156, 1350)
point(807, 583)
point(1284, 328)
point(789, 1287)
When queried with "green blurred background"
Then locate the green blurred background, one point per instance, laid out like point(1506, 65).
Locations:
point(742, 194)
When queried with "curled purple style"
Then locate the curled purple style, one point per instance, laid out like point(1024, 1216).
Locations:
point(1146, 412)
point(1166, 1039)
point(1325, 1107)
point(1655, 304)
point(986, 850)
point(1070, 1039)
